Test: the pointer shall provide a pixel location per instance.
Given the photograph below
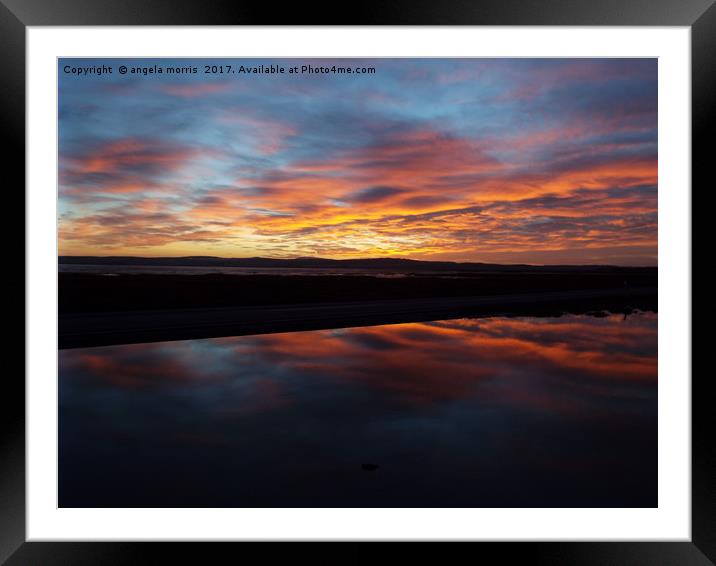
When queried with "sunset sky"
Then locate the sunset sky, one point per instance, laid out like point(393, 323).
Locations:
point(495, 160)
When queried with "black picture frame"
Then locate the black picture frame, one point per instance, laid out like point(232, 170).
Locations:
point(16, 15)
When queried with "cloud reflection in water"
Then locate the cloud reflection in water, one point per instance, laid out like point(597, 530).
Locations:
point(493, 412)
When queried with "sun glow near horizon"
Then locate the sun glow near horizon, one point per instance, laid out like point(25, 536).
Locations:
point(493, 160)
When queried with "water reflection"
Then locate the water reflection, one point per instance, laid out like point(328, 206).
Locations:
point(492, 412)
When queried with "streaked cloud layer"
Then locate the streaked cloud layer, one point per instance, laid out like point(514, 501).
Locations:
point(504, 160)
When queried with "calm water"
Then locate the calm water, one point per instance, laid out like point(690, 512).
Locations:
point(498, 412)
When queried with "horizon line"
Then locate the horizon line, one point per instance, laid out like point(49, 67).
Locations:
point(319, 258)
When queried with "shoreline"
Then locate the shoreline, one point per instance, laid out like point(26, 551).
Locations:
point(88, 293)
point(105, 328)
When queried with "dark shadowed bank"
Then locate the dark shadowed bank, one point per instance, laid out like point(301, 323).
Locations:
point(83, 292)
point(394, 264)
point(97, 309)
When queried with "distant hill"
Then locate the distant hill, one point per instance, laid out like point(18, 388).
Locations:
point(392, 264)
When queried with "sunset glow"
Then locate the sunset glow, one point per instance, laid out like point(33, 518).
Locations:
point(494, 160)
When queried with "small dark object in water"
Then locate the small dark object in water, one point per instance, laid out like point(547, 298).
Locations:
point(370, 467)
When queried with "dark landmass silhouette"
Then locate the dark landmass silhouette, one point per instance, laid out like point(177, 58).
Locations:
point(79, 330)
point(96, 310)
point(397, 264)
point(88, 292)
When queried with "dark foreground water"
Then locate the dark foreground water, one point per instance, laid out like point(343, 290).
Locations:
point(498, 412)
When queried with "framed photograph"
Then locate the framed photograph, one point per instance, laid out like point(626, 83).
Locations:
point(424, 274)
